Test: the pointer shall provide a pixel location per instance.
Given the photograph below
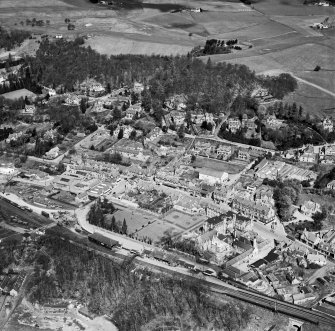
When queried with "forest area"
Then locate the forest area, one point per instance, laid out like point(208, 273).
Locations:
point(13, 38)
point(135, 301)
point(64, 64)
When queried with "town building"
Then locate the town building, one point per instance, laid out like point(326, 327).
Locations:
point(316, 259)
point(243, 155)
point(309, 208)
point(234, 124)
point(53, 153)
point(257, 211)
point(327, 124)
point(138, 87)
point(331, 185)
point(72, 100)
point(223, 152)
point(29, 110)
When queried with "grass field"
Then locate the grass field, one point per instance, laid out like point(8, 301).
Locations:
point(204, 162)
point(156, 230)
point(134, 222)
point(18, 94)
point(183, 220)
point(277, 29)
point(312, 100)
point(289, 8)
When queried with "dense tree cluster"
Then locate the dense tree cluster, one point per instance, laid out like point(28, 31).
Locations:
point(238, 136)
point(67, 118)
point(134, 302)
point(11, 39)
point(99, 209)
point(212, 88)
point(324, 179)
point(299, 129)
point(5, 132)
point(184, 245)
point(280, 85)
point(285, 194)
point(214, 46)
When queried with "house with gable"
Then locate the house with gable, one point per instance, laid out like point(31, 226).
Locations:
point(234, 124)
point(327, 124)
point(309, 208)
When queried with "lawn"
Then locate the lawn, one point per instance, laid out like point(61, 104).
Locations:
point(183, 220)
point(134, 220)
point(22, 93)
point(156, 230)
point(203, 162)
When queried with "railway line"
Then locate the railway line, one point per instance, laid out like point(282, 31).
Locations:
point(286, 308)
point(214, 285)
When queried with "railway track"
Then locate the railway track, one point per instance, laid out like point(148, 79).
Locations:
point(286, 308)
point(244, 294)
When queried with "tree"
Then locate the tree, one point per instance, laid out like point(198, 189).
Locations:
point(124, 227)
point(117, 114)
point(134, 97)
point(181, 131)
point(204, 125)
point(188, 118)
point(113, 224)
point(132, 135)
point(120, 135)
point(83, 105)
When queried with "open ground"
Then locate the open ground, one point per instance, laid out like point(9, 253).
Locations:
point(279, 32)
point(144, 224)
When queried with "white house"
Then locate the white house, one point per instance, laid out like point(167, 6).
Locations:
point(154, 134)
point(234, 124)
point(72, 100)
point(316, 259)
point(331, 185)
point(309, 208)
point(28, 110)
point(138, 87)
point(212, 177)
point(328, 125)
point(53, 153)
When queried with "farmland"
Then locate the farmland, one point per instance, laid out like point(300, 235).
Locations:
point(278, 32)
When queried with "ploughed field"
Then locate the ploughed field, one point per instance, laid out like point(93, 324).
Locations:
point(278, 32)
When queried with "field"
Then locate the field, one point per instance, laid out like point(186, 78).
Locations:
point(312, 100)
point(278, 30)
point(157, 230)
point(203, 162)
point(18, 94)
point(134, 221)
point(183, 220)
point(143, 224)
